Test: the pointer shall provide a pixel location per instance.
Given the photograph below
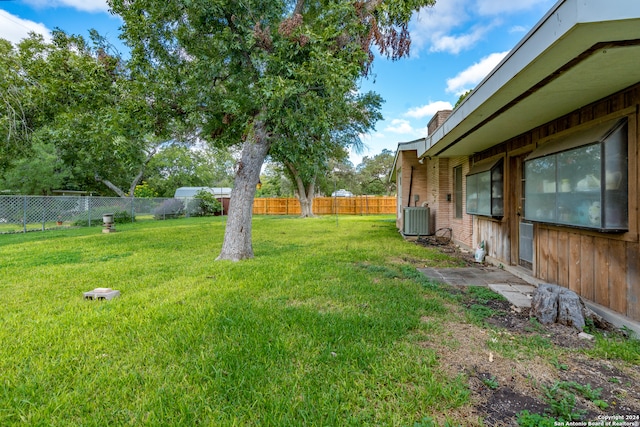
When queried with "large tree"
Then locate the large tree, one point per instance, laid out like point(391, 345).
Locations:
point(181, 165)
point(373, 173)
point(14, 105)
point(38, 173)
point(76, 103)
point(245, 70)
point(306, 154)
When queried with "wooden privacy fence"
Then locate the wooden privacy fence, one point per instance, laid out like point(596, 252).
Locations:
point(357, 205)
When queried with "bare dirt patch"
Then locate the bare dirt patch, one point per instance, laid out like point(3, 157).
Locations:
point(505, 378)
point(513, 364)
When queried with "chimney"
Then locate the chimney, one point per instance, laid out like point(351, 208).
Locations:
point(437, 120)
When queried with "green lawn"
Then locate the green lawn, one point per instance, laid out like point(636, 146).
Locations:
point(320, 329)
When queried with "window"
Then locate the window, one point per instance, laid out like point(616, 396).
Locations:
point(457, 190)
point(581, 180)
point(485, 189)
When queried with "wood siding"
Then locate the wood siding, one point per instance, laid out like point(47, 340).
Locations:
point(496, 238)
point(601, 267)
point(594, 267)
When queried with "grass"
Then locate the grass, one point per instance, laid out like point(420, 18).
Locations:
point(318, 329)
point(478, 297)
point(323, 328)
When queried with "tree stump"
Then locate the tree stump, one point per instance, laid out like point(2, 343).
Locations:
point(555, 304)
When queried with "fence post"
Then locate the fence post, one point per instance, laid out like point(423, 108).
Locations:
point(44, 215)
point(89, 211)
point(132, 208)
point(24, 214)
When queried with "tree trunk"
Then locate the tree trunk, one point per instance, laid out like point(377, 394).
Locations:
point(305, 195)
point(237, 235)
point(306, 207)
point(143, 167)
point(135, 181)
point(306, 202)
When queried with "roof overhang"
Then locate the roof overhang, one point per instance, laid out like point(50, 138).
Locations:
point(577, 54)
point(418, 145)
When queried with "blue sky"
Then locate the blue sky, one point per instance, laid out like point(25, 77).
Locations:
point(454, 46)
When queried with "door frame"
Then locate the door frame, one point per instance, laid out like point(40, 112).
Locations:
point(516, 190)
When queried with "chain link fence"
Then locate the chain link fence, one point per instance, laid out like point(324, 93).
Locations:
point(30, 213)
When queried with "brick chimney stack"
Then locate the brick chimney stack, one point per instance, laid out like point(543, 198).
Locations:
point(437, 120)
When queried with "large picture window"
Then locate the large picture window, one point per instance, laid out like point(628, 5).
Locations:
point(485, 186)
point(581, 180)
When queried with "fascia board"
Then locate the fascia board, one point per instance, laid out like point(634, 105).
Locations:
point(553, 42)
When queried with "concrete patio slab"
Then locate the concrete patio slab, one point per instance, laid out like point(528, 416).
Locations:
point(514, 289)
point(471, 276)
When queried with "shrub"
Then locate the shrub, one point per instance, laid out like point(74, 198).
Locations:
point(204, 204)
point(170, 208)
point(122, 217)
point(144, 191)
point(119, 217)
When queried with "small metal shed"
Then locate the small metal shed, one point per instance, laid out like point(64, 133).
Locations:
point(184, 192)
point(223, 194)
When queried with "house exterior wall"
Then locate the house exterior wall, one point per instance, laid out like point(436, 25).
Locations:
point(412, 180)
point(495, 232)
point(601, 267)
point(433, 183)
point(461, 228)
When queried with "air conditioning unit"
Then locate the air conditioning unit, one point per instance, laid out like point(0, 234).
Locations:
point(416, 221)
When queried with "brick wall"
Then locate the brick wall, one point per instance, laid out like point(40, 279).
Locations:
point(433, 183)
point(462, 228)
point(410, 187)
point(437, 120)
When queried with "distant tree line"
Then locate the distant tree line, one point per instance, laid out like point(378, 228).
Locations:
point(74, 118)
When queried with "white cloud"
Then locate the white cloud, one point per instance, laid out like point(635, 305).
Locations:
point(457, 25)
point(432, 23)
point(83, 5)
point(473, 75)
point(429, 109)
point(15, 29)
point(400, 126)
point(518, 29)
point(422, 131)
point(457, 43)
point(443, 27)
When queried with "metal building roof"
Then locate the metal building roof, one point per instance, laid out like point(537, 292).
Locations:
point(191, 191)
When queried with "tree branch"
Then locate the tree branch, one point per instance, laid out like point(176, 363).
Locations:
point(143, 167)
point(298, 8)
point(110, 185)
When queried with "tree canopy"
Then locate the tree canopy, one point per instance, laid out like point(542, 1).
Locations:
point(73, 106)
point(256, 73)
point(306, 155)
point(373, 174)
point(179, 165)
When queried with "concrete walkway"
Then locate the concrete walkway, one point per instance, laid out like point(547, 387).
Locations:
point(515, 285)
point(513, 288)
